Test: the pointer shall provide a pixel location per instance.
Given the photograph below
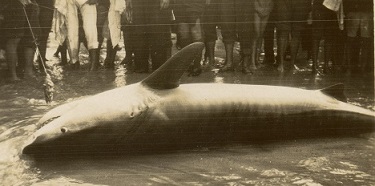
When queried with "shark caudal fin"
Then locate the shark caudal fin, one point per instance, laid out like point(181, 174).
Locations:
point(169, 74)
point(335, 91)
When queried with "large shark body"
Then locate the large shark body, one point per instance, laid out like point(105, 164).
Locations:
point(159, 113)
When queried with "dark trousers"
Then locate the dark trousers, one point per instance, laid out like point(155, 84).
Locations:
point(152, 31)
point(46, 9)
point(220, 13)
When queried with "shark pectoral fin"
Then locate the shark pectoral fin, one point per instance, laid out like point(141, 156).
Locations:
point(159, 115)
point(335, 91)
point(169, 74)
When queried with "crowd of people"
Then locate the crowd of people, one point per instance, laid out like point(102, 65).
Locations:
point(346, 26)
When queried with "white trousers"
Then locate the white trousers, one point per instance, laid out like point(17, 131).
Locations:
point(89, 18)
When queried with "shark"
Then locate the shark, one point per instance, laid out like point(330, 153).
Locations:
point(160, 113)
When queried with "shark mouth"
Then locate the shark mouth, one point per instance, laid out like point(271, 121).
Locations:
point(49, 120)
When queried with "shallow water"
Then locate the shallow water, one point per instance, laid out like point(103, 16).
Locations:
point(327, 161)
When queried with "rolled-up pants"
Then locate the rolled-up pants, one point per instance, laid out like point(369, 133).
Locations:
point(89, 18)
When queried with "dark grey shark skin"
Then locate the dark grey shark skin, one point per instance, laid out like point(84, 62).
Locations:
point(159, 114)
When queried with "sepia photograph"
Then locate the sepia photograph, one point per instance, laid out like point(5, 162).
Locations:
point(187, 92)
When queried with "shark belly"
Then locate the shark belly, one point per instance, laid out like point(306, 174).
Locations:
point(160, 114)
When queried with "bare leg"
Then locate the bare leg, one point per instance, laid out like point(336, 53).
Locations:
point(328, 54)
point(294, 47)
point(210, 52)
point(246, 58)
point(282, 42)
point(315, 54)
point(12, 58)
point(197, 36)
point(29, 56)
point(228, 57)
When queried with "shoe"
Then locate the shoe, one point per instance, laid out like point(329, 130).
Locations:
point(246, 70)
point(227, 68)
point(126, 60)
point(249, 70)
point(195, 72)
point(74, 66)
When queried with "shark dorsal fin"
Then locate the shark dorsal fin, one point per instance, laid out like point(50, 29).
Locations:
point(169, 74)
point(335, 91)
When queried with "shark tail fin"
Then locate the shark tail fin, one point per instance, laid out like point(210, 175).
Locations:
point(169, 74)
point(335, 91)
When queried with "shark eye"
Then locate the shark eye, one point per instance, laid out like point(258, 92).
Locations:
point(64, 129)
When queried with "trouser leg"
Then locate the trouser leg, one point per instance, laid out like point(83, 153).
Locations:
point(72, 29)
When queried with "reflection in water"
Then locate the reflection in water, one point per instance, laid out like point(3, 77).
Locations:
point(218, 79)
point(120, 79)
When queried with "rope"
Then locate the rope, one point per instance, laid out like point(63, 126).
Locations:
point(47, 84)
point(34, 38)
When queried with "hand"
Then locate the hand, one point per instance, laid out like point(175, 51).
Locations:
point(25, 2)
point(164, 4)
point(92, 2)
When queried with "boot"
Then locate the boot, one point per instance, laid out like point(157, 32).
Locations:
point(94, 59)
point(109, 62)
point(64, 57)
point(63, 51)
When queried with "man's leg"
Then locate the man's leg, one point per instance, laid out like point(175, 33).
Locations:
point(315, 53)
point(45, 21)
point(229, 11)
point(197, 36)
point(209, 22)
point(282, 42)
point(294, 45)
point(129, 44)
point(89, 18)
point(366, 41)
point(228, 65)
point(109, 62)
point(210, 52)
point(12, 57)
point(29, 57)
point(269, 36)
point(73, 36)
point(141, 45)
